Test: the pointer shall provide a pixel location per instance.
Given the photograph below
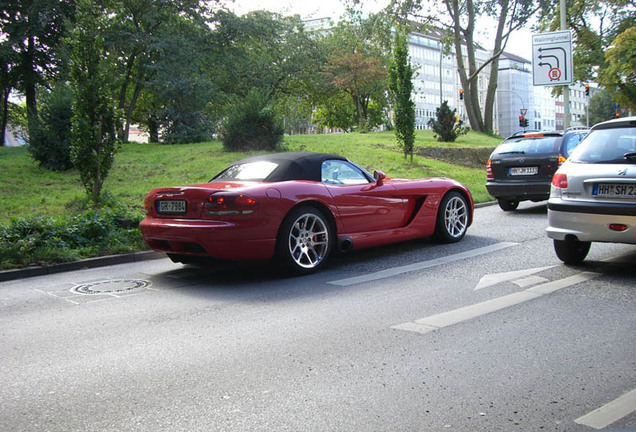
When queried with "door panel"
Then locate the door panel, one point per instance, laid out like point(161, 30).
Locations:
point(368, 207)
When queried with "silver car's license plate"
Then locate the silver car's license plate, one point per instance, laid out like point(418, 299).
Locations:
point(171, 207)
point(521, 171)
point(606, 190)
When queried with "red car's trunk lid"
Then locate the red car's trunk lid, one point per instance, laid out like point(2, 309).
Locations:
point(185, 202)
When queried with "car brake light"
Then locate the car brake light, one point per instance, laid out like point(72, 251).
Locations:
point(225, 203)
point(560, 181)
point(618, 227)
point(489, 174)
point(562, 159)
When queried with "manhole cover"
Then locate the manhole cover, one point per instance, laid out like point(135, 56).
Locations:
point(111, 287)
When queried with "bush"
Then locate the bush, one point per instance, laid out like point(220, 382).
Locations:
point(447, 126)
point(50, 142)
point(252, 124)
point(39, 240)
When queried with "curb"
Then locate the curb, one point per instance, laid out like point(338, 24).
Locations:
point(89, 263)
point(32, 271)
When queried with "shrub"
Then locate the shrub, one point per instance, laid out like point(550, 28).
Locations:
point(447, 126)
point(252, 124)
point(41, 240)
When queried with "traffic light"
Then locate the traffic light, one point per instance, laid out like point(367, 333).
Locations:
point(587, 89)
point(461, 94)
point(523, 122)
point(616, 114)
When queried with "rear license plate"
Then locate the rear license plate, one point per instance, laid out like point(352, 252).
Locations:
point(524, 171)
point(605, 190)
point(171, 207)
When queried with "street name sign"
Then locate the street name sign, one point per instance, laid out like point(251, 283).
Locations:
point(552, 62)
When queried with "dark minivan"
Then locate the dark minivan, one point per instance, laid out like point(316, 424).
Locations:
point(522, 166)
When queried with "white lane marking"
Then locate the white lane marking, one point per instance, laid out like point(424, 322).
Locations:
point(446, 319)
point(395, 271)
point(604, 416)
point(493, 279)
point(529, 281)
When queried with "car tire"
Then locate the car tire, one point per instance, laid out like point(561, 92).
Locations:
point(571, 250)
point(452, 218)
point(507, 205)
point(305, 240)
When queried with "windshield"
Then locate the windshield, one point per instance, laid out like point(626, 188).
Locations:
point(607, 146)
point(252, 171)
point(522, 145)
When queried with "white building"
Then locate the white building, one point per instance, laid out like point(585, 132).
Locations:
point(436, 80)
point(515, 95)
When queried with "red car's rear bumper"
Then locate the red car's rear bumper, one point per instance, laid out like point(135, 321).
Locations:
point(217, 239)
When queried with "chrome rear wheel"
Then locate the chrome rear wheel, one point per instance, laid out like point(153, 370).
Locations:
point(305, 240)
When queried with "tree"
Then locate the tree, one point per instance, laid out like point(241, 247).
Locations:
point(50, 141)
point(596, 25)
point(357, 65)
point(601, 107)
point(261, 50)
point(7, 81)
point(133, 32)
point(401, 87)
point(447, 126)
point(336, 112)
point(180, 91)
point(619, 72)
point(459, 18)
point(360, 77)
point(33, 31)
point(93, 134)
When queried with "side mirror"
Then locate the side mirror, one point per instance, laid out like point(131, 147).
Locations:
point(379, 177)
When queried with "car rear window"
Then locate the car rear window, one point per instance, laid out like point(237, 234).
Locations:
point(523, 145)
point(252, 171)
point(607, 146)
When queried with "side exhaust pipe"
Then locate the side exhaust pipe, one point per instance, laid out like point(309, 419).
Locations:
point(345, 244)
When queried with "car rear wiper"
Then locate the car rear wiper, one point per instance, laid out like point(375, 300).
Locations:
point(513, 152)
point(631, 155)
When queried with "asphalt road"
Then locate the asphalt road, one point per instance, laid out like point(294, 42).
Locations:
point(490, 334)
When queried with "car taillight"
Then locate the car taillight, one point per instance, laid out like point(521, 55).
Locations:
point(489, 174)
point(618, 227)
point(562, 159)
point(560, 181)
point(227, 203)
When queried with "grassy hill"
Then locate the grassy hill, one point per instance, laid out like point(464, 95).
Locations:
point(26, 189)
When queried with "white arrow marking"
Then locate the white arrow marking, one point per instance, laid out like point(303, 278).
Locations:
point(463, 314)
point(494, 279)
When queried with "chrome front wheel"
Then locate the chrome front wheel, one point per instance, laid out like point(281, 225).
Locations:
point(452, 218)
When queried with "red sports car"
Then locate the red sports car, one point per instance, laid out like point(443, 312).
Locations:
point(298, 207)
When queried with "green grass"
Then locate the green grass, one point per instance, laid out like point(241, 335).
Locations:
point(26, 189)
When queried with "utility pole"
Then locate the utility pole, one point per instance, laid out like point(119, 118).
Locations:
point(566, 88)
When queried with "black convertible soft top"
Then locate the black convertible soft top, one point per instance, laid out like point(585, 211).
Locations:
point(293, 165)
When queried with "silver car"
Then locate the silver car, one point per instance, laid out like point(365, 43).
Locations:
point(593, 194)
